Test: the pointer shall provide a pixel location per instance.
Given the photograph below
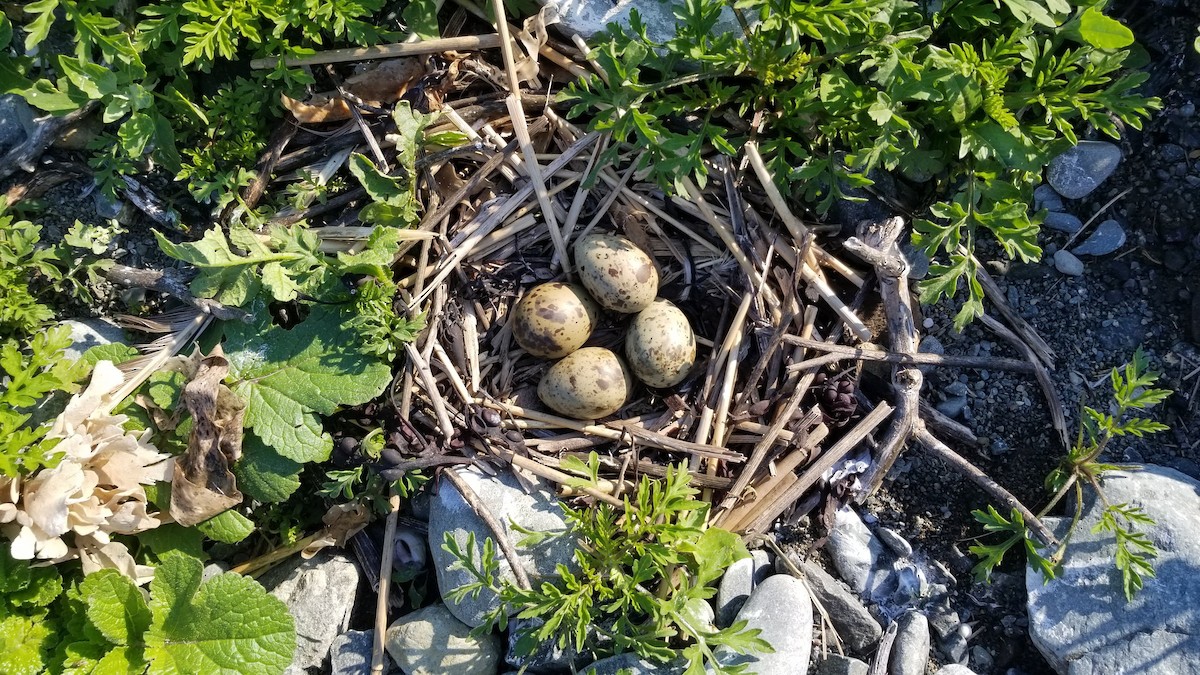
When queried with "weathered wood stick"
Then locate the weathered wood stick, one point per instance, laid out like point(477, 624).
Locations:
point(389, 51)
point(946, 360)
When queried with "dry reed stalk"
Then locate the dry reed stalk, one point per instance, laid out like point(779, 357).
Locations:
point(841, 352)
point(389, 51)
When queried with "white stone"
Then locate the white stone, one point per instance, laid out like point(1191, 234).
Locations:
point(319, 593)
point(430, 641)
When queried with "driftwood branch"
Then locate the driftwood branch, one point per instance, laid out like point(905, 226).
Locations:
point(842, 352)
point(48, 130)
point(171, 283)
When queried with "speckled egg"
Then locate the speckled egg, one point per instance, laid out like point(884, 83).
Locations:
point(554, 319)
point(587, 384)
point(660, 345)
point(618, 274)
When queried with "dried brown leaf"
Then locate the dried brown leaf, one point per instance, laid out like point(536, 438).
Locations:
point(342, 521)
point(381, 85)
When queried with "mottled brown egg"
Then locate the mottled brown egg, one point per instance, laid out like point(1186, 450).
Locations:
point(660, 345)
point(618, 274)
point(587, 384)
point(554, 319)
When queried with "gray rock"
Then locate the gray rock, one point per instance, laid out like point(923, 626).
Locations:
point(1067, 264)
point(855, 551)
point(430, 641)
point(930, 345)
point(88, 333)
point(547, 656)
point(1082, 623)
point(910, 651)
point(1078, 171)
point(952, 406)
point(737, 584)
point(893, 540)
point(1044, 197)
point(836, 664)
point(319, 593)
point(631, 664)
point(539, 511)
point(857, 628)
point(16, 122)
point(955, 646)
point(954, 669)
point(589, 17)
point(350, 653)
point(1108, 237)
point(982, 659)
point(781, 608)
point(1063, 222)
point(918, 261)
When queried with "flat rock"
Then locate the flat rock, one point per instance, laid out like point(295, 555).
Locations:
point(857, 628)
point(430, 641)
point(1063, 222)
point(350, 654)
point(1082, 623)
point(954, 669)
point(589, 17)
point(1067, 264)
point(1108, 237)
point(737, 584)
point(16, 122)
point(781, 608)
point(836, 664)
point(319, 593)
point(88, 333)
point(509, 503)
point(910, 651)
point(855, 551)
point(1078, 171)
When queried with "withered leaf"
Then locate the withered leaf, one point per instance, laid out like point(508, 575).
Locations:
point(203, 484)
point(381, 85)
point(342, 521)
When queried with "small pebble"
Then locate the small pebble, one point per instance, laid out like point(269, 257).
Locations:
point(1077, 172)
point(1068, 264)
point(1063, 222)
point(1108, 237)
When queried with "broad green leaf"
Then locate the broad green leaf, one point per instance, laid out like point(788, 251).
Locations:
point(288, 377)
point(136, 133)
point(165, 388)
point(170, 537)
point(115, 606)
point(1103, 32)
point(421, 18)
point(227, 527)
point(43, 586)
point(6, 32)
point(380, 186)
point(264, 474)
point(45, 96)
point(92, 79)
point(228, 625)
point(116, 352)
point(25, 645)
point(716, 550)
point(123, 660)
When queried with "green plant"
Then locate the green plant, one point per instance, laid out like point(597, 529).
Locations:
point(27, 627)
point(22, 262)
point(1133, 390)
point(970, 97)
point(144, 70)
point(26, 377)
point(638, 580)
point(227, 623)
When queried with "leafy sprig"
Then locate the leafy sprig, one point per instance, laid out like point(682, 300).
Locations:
point(636, 583)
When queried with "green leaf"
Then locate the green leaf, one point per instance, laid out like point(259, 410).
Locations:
point(1103, 32)
point(136, 133)
point(288, 377)
point(226, 625)
point(6, 32)
point(25, 644)
point(116, 352)
point(715, 551)
point(165, 388)
point(39, 28)
point(421, 18)
point(264, 474)
point(170, 537)
point(227, 527)
point(115, 606)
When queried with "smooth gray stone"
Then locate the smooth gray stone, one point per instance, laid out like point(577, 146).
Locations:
point(319, 594)
point(895, 541)
point(1078, 171)
point(918, 261)
point(589, 17)
point(910, 651)
point(1063, 222)
point(547, 657)
point(952, 406)
point(738, 583)
point(930, 345)
point(836, 664)
point(1044, 197)
point(351, 651)
point(16, 122)
point(781, 608)
point(430, 641)
point(855, 552)
point(1067, 264)
point(1108, 237)
point(857, 628)
point(1081, 621)
point(88, 333)
point(538, 510)
point(954, 669)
